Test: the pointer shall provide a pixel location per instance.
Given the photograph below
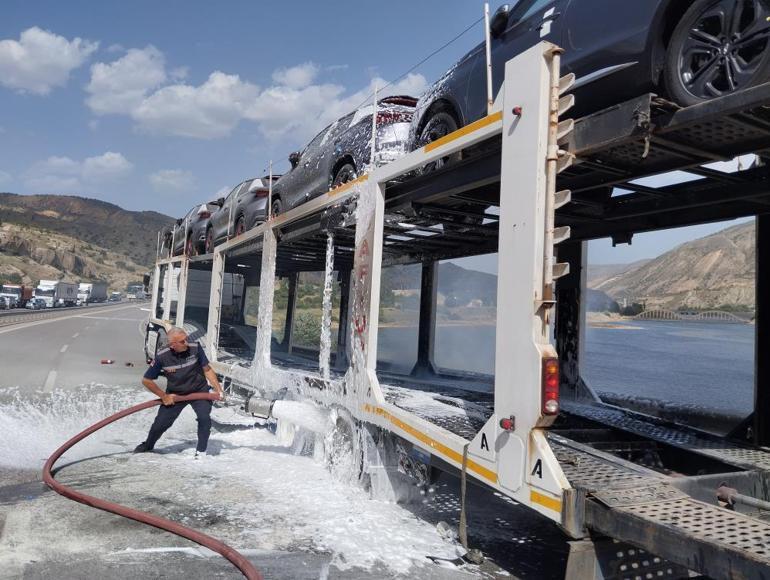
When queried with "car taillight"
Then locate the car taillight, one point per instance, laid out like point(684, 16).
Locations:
point(550, 386)
point(388, 117)
point(204, 214)
point(261, 192)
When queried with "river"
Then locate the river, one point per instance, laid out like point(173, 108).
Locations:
point(688, 364)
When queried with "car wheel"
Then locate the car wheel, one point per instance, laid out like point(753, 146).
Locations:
point(240, 226)
point(345, 173)
point(209, 243)
point(717, 48)
point(441, 122)
point(277, 206)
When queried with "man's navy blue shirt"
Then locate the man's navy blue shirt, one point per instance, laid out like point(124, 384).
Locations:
point(183, 370)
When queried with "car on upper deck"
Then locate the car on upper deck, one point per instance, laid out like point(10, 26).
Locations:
point(189, 236)
point(244, 208)
point(688, 51)
point(342, 151)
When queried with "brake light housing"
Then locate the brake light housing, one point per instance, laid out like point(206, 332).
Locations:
point(550, 386)
point(204, 214)
point(261, 192)
point(389, 117)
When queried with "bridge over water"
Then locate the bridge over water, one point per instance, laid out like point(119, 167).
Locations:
point(705, 316)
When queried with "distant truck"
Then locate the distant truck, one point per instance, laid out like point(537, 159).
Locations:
point(135, 292)
point(57, 293)
point(17, 294)
point(89, 292)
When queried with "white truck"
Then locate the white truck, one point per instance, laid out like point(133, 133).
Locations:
point(89, 292)
point(57, 293)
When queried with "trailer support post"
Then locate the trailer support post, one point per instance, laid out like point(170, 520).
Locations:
point(762, 336)
point(426, 336)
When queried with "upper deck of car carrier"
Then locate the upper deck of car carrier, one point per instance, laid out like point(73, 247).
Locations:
point(597, 467)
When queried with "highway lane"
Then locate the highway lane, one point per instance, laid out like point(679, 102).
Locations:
point(20, 315)
point(66, 351)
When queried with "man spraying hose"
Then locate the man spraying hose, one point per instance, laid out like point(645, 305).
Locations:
point(187, 371)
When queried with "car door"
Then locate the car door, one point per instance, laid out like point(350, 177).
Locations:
point(529, 22)
point(298, 184)
point(221, 224)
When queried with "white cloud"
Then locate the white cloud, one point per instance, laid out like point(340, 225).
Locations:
point(301, 113)
point(65, 175)
point(107, 167)
point(5, 178)
point(294, 107)
point(41, 60)
point(296, 77)
point(121, 86)
point(172, 180)
point(208, 111)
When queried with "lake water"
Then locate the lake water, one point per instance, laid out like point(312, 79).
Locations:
point(685, 363)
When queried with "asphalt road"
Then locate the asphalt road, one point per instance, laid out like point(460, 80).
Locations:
point(67, 350)
point(54, 368)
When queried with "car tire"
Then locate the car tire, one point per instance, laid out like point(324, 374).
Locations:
point(240, 226)
point(345, 172)
point(276, 207)
point(720, 58)
point(440, 122)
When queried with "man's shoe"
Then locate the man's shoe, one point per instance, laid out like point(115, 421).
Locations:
point(142, 448)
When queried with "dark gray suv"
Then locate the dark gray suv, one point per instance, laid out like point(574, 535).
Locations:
point(687, 50)
point(342, 150)
point(190, 233)
point(243, 208)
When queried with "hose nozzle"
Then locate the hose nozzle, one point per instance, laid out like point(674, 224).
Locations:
point(259, 407)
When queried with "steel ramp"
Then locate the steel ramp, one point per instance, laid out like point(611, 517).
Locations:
point(635, 505)
point(744, 457)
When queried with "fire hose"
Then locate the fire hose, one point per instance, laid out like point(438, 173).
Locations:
point(238, 560)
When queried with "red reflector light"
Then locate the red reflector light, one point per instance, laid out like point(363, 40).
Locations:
point(508, 423)
point(550, 386)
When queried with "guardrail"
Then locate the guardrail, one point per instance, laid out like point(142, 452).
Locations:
point(19, 316)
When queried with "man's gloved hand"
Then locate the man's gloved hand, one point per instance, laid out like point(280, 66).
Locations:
point(168, 400)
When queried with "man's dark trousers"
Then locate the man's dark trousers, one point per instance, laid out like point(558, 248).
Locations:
point(167, 415)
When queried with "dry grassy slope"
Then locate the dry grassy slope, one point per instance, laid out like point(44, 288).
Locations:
point(712, 271)
point(36, 254)
point(130, 233)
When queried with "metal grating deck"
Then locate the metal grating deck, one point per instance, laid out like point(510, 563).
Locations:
point(635, 505)
point(743, 457)
point(456, 415)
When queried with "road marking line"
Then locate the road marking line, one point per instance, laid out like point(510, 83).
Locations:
point(49, 320)
point(64, 348)
point(50, 381)
point(76, 335)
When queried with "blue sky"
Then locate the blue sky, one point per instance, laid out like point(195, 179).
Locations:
point(159, 105)
point(162, 105)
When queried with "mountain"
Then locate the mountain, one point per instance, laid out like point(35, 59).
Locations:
point(710, 272)
point(599, 274)
point(131, 234)
point(29, 254)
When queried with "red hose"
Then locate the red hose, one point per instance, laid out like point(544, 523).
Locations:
point(236, 558)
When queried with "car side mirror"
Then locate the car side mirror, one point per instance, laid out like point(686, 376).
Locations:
point(220, 201)
point(294, 159)
point(179, 221)
point(499, 21)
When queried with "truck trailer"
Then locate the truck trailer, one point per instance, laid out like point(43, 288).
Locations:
point(57, 293)
point(17, 294)
point(637, 496)
point(91, 292)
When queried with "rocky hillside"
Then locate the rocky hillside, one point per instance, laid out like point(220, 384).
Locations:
point(710, 272)
point(29, 254)
point(130, 234)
